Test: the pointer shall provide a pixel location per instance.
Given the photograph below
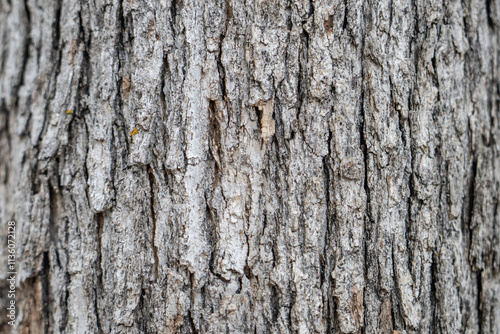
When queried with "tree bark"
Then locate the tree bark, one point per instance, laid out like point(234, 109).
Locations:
point(258, 166)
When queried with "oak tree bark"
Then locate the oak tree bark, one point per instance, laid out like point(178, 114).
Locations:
point(258, 166)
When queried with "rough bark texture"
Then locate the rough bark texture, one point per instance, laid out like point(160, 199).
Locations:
point(257, 166)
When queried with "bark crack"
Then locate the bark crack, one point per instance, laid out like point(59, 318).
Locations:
point(470, 211)
point(479, 307)
point(153, 218)
point(99, 290)
point(44, 280)
point(26, 53)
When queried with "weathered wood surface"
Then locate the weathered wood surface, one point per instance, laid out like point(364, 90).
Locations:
point(259, 166)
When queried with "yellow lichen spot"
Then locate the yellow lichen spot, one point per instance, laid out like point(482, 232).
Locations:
point(69, 111)
point(133, 133)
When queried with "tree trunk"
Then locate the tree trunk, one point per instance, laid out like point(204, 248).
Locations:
point(259, 166)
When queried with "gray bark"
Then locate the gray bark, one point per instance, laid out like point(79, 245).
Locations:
point(258, 166)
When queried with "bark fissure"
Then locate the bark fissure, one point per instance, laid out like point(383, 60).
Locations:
point(153, 218)
point(479, 307)
point(99, 220)
point(26, 53)
point(46, 297)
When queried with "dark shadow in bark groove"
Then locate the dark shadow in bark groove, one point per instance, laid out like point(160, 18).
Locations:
point(152, 182)
point(470, 210)
point(99, 219)
point(479, 306)
point(46, 303)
